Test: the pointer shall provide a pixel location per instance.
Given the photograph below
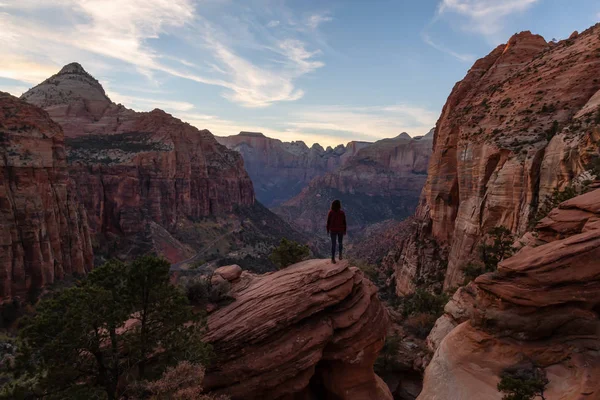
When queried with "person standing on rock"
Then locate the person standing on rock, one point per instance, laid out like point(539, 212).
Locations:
point(336, 227)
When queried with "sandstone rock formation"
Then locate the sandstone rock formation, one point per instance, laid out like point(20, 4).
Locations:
point(280, 170)
point(312, 330)
point(136, 172)
point(43, 227)
point(540, 307)
point(382, 181)
point(522, 123)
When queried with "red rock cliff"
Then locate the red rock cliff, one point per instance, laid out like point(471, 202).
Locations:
point(519, 125)
point(43, 228)
point(541, 307)
point(139, 172)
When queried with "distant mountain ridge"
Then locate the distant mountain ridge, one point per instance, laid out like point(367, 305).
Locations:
point(280, 170)
point(381, 181)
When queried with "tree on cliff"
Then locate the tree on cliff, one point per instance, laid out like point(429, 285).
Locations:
point(524, 383)
point(289, 252)
point(123, 320)
point(497, 247)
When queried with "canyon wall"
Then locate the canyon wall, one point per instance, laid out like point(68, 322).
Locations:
point(522, 123)
point(144, 178)
point(539, 309)
point(381, 182)
point(280, 170)
point(43, 227)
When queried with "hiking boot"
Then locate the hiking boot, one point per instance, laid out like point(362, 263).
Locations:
point(340, 257)
point(333, 260)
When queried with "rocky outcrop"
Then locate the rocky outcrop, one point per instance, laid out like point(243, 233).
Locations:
point(43, 227)
point(540, 307)
point(312, 330)
point(382, 181)
point(280, 170)
point(522, 123)
point(134, 171)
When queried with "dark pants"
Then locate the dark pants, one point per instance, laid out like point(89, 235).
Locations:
point(339, 236)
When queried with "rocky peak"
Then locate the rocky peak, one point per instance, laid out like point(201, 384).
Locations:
point(73, 68)
point(72, 91)
point(403, 135)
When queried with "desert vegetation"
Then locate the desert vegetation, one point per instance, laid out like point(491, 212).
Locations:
point(121, 324)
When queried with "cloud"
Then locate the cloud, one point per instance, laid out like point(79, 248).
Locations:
point(328, 125)
point(148, 104)
point(484, 16)
point(130, 31)
point(273, 24)
point(462, 57)
point(317, 19)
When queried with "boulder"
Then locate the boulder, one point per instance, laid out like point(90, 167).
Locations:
point(312, 329)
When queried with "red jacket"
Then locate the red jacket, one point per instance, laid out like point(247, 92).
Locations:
point(336, 221)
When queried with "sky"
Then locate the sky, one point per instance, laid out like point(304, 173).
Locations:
point(327, 71)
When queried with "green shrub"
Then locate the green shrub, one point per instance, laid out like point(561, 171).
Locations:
point(288, 252)
point(420, 324)
point(424, 302)
point(388, 356)
point(552, 201)
point(523, 383)
point(496, 247)
point(472, 271)
point(202, 291)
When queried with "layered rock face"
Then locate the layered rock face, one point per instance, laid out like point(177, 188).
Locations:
point(523, 122)
point(541, 307)
point(43, 227)
point(382, 181)
point(280, 170)
point(312, 330)
point(139, 172)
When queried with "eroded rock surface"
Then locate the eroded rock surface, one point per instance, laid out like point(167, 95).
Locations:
point(541, 306)
point(312, 329)
point(43, 227)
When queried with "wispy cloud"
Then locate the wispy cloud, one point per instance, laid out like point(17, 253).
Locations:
point(329, 125)
point(149, 104)
point(462, 57)
point(317, 19)
point(484, 16)
point(129, 30)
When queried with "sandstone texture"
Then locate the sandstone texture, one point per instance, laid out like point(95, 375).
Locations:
point(523, 122)
point(382, 181)
point(540, 307)
point(43, 227)
point(139, 172)
point(312, 330)
point(280, 170)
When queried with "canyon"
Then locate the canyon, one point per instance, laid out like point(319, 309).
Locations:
point(380, 182)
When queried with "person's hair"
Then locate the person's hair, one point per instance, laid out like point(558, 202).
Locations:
point(336, 205)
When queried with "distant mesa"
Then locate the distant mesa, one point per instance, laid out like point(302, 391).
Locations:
point(251, 134)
